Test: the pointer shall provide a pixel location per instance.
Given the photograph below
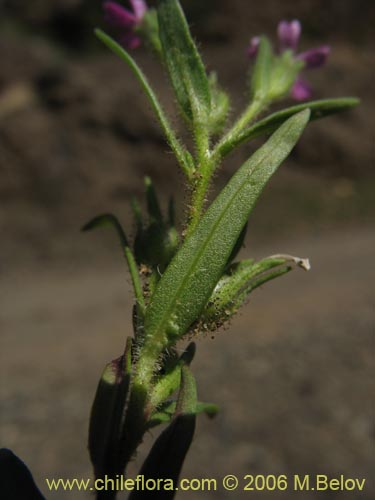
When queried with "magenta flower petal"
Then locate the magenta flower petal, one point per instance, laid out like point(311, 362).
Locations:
point(315, 58)
point(253, 47)
point(118, 16)
point(301, 90)
point(289, 34)
point(139, 8)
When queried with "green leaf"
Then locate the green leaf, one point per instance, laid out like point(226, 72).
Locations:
point(137, 212)
point(319, 109)
point(16, 480)
point(219, 106)
point(210, 409)
point(165, 414)
point(187, 397)
point(189, 280)
point(107, 415)
point(183, 156)
point(166, 458)
point(165, 386)
point(285, 69)
point(153, 205)
point(261, 75)
point(148, 29)
point(155, 243)
point(170, 381)
point(239, 244)
point(109, 220)
point(188, 355)
point(233, 288)
point(184, 64)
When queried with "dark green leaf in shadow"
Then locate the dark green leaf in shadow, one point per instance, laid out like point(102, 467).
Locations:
point(107, 415)
point(108, 220)
point(167, 455)
point(166, 458)
point(153, 205)
point(157, 241)
point(16, 481)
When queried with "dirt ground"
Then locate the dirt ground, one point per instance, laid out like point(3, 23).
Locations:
point(294, 373)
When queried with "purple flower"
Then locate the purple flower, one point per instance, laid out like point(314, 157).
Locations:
point(126, 20)
point(301, 90)
point(289, 33)
point(252, 49)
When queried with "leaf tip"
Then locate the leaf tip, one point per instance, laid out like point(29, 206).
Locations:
point(305, 115)
point(304, 264)
point(99, 33)
point(87, 227)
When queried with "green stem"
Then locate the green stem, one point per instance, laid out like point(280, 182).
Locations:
point(202, 143)
point(253, 110)
point(137, 285)
point(137, 414)
point(210, 162)
point(182, 155)
point(200, 192)
point(149, 354)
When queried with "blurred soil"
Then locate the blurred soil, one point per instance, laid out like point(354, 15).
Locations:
point(294, 375)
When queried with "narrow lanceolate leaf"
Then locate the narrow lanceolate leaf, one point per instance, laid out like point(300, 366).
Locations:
point(219, 105)
point(184, 64)
point(243, 277)
point(167, 456)
point(170, 381)
point(261, 76)
point(166, 386)
point(187, 397)
point(109, 220)
point(189, 280)
point(107, 415)
point(319, 109)
point(153, 205)
point(183, 156)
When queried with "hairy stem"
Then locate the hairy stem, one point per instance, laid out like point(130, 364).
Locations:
point(210, 161)
point(252, 111)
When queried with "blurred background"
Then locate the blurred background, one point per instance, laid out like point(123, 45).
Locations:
point(294, 374)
